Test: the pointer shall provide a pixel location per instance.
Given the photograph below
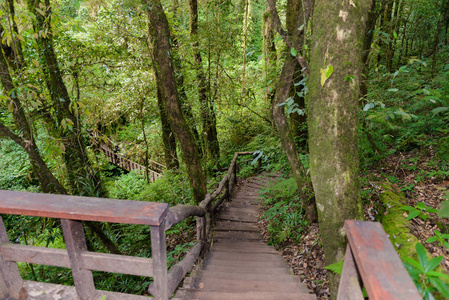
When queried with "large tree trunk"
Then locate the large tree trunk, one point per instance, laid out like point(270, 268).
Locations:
point(338, 29)
point(84, 180)
point(168, 137)
point(159, 34)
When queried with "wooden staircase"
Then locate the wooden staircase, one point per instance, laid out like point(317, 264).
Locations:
point(240, 264)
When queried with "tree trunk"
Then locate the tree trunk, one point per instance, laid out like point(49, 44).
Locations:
point(47, 181)
point(337, 41)
point(159, 34)
point(207, 114)
point(270, 56)
point(438, 35)
point(168, 137)
point(84, 180)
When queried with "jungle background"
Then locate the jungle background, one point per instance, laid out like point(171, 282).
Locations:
point(245, 75)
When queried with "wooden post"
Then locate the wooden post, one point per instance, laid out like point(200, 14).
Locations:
point(349, 287)
point(201, 229)
point(9, 272)
point(76, 244)
point(159, 253)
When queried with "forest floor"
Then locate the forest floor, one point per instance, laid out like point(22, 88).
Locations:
point(417, 176)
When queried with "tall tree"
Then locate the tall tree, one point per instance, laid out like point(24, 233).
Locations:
point(159, 34)
point(82, 177)
point(283, 88)
point(334, 81)
point(207, 109)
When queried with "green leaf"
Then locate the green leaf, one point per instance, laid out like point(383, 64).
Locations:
point(337, 267)
point(431, 210)
point(422, 256)
point(103, 298)
point(433, 263)
point(440, 286)
point(395, 34)
point(444, 210)
point(432, 239)
point(408, 208)
point(293, 52)
point(437, 275)
point(421, 205)
point(326, 73)
point(413, 263)
point(439, 110)
point(413, 214)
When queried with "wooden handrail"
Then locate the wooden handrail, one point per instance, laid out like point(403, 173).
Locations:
point(370, 258)
point(74, 209)
point(71, 210)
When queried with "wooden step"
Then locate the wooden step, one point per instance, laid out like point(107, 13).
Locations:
point(245, 257)
point(242, 276)
point(195, 294)
point(236, 226)
point(238, 235)
point(237, 217)
point(247, 269)
point(239, 249)
point(249, 210)
point(243, 285)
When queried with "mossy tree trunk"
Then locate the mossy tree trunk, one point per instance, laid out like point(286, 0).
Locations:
point(337, 41)
point(168, 137)
point(82, 177)
point(283, 89)
point(159, 34)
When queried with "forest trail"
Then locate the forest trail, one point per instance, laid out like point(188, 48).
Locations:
point(240, 264)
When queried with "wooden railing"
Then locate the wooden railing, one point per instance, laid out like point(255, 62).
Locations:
point(370, 258)
point(155, 169)
point(73, 209)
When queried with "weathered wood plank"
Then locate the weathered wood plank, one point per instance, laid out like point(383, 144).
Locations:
point(94, 261)
point(159, 253)
point(36, 255)
point(349, 287)
point(9, 272)
point(82, 208)
point(76, 244)
point(383, 273)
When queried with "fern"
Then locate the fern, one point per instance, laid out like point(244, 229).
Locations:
point(337, 267)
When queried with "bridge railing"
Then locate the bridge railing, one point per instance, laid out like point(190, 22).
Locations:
point(72, 210)
point(371, 259)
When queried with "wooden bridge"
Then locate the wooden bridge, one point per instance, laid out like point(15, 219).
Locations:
point(238, 266)
point(155, 169)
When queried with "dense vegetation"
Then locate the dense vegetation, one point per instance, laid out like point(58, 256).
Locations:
point(276, 77)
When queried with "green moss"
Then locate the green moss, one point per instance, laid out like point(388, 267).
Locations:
point(395, 224)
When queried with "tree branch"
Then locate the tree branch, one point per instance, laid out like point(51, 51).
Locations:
point(284, 35)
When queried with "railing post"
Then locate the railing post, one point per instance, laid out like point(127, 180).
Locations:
point(159, 254)
point(9, 272)
point(76, 244)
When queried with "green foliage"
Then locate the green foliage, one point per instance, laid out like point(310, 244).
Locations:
point(172, 188)
point(420, 210)
point(15, 173)
point(127, 187)
point(441, 238)
point(337, 267)
point(425, 278)
point(284, 215)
